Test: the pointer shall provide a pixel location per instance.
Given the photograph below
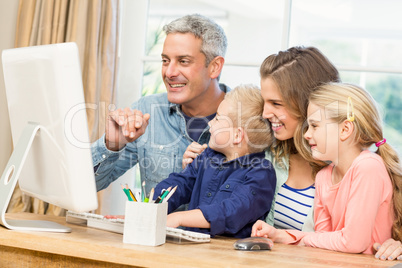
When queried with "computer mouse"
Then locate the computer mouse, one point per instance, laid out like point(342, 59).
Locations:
point(254, 243)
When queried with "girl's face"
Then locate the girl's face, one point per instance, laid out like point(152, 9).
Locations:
point(322, 134)
point(283, 123)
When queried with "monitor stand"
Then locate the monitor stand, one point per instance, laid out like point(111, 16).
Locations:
point(9, 180)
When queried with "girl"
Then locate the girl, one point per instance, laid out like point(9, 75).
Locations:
point(358, 196)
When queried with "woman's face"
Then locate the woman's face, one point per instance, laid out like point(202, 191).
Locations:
point(283, 123)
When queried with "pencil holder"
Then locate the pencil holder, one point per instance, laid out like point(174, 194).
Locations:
point(145, 223)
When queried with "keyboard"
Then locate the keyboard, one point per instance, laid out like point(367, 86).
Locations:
point(174, 235)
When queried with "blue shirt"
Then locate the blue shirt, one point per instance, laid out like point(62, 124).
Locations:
point(231, 195)
point(158, 152)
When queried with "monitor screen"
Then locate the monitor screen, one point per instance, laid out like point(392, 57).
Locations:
point(52, 157)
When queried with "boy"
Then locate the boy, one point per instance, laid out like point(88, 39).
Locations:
point(231, 184)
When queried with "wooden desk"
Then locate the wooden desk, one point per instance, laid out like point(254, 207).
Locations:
point(96, 248)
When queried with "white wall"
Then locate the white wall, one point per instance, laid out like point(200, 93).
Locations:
point(8, 21)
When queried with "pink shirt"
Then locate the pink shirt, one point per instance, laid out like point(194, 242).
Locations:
point(356, 212)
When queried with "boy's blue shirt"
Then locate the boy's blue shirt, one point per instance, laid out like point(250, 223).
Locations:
point(231, 195)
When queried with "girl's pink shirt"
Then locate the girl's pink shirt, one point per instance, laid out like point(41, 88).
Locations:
point(354, 213)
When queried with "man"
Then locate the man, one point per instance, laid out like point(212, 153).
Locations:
point(158, 129)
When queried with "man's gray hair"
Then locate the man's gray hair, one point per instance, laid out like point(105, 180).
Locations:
point(214, 41)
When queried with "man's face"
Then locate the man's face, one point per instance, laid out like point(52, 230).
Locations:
point(183, 69)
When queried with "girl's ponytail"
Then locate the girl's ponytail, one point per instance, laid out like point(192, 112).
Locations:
point(393, 165)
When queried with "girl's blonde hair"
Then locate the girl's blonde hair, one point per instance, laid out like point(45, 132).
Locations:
point(246, 110)
point(368, 131)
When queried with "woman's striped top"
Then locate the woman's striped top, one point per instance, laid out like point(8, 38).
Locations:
point(292, 206)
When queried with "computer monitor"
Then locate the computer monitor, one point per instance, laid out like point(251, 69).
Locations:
point(51, 158)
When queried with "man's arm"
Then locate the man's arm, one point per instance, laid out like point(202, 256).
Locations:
point(110, 165)
point(115, 152)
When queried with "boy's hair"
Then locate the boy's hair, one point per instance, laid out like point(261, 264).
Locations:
point(368, 131)
point(246, 111)
point(296, 72)
point(214, 41)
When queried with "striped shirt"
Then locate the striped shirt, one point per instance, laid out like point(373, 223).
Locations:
point(292, 206)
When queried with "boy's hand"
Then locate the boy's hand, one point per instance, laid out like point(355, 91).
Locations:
point(124, 126)
point(114, 216)
point(189, 218)
point(389, 250)
point(192, 151)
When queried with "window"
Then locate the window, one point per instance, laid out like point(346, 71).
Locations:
point(249, 25)
point(361, 37)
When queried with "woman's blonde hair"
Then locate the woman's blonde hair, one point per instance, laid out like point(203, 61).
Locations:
point(296, 72)
point(246, 110)
point(368, 131)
